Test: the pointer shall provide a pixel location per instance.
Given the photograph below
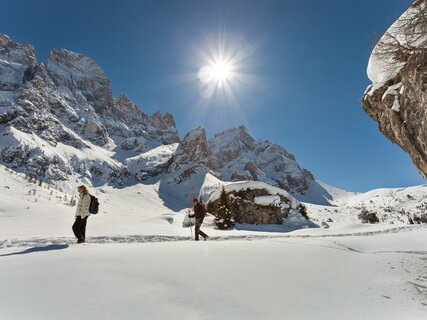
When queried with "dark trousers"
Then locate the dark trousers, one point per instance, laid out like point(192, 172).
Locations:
point(79, 228)
point(197, 230)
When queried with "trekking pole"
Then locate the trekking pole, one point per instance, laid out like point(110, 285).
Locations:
point(191, 226)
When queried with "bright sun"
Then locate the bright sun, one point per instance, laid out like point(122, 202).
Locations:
point(216, 72)
point(222, 68)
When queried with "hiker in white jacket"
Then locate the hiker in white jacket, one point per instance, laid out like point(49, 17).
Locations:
point(82, 213)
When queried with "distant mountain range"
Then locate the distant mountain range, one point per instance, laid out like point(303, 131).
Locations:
point(60, 123)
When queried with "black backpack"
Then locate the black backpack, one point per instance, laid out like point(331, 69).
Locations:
point(94, 205)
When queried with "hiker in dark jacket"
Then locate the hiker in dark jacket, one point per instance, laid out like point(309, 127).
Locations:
point(82, 213)
point(199, 214)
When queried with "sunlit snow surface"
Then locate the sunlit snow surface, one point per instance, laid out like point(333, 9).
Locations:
point(139, 262)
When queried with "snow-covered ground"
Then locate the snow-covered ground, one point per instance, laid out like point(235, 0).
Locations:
point(295, 278)
point(139, 262)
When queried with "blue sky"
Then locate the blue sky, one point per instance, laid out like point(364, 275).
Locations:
point(307, 61)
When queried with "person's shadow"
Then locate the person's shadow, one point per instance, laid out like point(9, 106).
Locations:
point(37, 249)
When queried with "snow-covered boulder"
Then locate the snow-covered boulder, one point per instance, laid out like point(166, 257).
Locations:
point(258, 203)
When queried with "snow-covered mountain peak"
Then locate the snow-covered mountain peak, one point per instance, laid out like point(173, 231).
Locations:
point(75, 64)
point(77, 72)
point(15, 52)
point(193, 149)
point(235, 139)
point(59, 120)
point(17, 63)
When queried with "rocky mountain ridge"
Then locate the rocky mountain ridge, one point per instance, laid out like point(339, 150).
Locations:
point(234, 155)
point(67, 104)
point(60, 123)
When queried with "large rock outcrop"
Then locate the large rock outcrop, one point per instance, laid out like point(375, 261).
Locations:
point(257, 203)
point(397, 98)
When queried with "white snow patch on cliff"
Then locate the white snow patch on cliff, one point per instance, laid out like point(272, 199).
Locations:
point(267, 200)
point(383, 67)
point(243, 185)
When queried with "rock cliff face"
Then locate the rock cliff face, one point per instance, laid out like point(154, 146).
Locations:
point(17, 63)
point(190, 158)
point(237, 156)
point(83, 76)
point(397, 98)
point(193, 150)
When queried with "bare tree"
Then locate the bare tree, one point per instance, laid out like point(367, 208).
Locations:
point(407, 36)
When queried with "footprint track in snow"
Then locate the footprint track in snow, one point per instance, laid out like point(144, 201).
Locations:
point(33, 242)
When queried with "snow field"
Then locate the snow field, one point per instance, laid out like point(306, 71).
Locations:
point(263, 279)
point(139, 262)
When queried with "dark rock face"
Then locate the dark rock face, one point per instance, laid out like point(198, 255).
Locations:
point(245, 209)
point(406, 126)
point(368, 217)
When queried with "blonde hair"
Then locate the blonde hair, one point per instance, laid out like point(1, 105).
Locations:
point(83, 187)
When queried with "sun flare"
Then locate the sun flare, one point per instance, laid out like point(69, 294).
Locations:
point(222, 66)
point(216, 72)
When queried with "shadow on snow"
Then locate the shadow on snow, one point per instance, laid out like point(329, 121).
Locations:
point(37, 249)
